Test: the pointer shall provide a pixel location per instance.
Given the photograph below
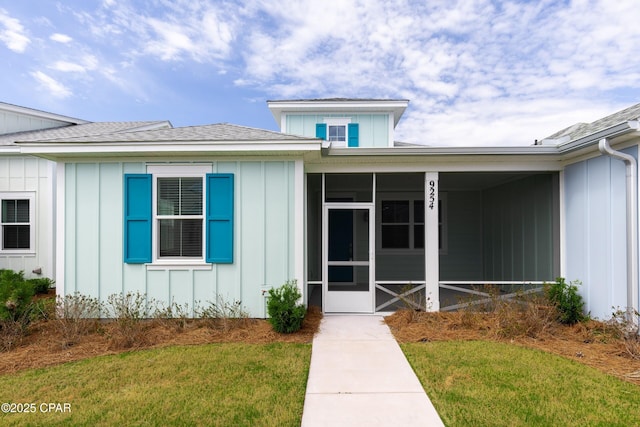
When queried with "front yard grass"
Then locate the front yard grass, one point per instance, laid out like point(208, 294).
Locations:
point(497, 384)
point(216, 384)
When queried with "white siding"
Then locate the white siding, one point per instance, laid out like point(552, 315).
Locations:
point(14, 122)
point(29, 174)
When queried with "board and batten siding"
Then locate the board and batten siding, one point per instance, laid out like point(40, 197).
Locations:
point(462, 259)
point(595, 231)
point(263, 238)
point(15, 122)
point(520, 229)
point(374, 128)
point(32, 175)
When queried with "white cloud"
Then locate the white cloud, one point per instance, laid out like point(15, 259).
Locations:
point(60, 38)
point(54, 87)
point(13, 33)
point(476, 71)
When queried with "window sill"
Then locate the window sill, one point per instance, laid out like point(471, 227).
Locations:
point(178, 266)
point(17, 252)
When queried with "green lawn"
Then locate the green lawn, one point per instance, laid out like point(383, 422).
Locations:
point(477, 383)
point(218, 384)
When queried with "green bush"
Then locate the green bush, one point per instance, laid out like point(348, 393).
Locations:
point(41, 285)
point(565, 297)
point(285, 313)
point(15, 295)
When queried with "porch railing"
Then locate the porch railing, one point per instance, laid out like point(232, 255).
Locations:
point(404, 294)
point(474, 288)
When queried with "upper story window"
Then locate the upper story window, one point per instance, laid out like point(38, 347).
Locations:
point(17, 225)
point(339, 131)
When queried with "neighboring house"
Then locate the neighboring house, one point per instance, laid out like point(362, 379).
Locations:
point(199, 213)
point(28, 185)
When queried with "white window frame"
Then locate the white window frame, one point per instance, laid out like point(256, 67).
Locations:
point(411, 197)
point(20, 195)
point(177, 171)
point(338, 121)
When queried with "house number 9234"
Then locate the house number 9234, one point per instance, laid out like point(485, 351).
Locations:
point(432, 194)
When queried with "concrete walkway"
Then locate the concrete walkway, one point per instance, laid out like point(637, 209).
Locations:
point(360, 377)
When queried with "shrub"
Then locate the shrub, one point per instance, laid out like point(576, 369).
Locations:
point(41, 285)
point(76, 315)
point(625, 326)
point(285, 313)
point(565, 297)
point(222, 314)
point(128, 310)
point(174, 314)
point(15, 295)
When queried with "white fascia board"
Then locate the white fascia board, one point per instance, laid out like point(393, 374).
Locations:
point(395, 106)
point(52, 150)
point(438, 164)
point(444, 151)
point(9, 149)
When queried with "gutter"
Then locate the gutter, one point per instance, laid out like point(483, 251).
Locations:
point(632, 226)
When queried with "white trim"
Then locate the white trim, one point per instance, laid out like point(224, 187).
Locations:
point(33, 228)
point(391, 137)
point(335, 122)
point(299, 226)
point(563, 224)
point(60, 231)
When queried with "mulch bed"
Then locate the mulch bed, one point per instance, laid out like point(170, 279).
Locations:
point(43, 347)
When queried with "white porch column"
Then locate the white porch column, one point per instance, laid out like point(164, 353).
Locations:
point(299, 215)
point(431, 242)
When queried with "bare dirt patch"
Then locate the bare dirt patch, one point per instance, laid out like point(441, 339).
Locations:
point(43, 345)
point(591, 343)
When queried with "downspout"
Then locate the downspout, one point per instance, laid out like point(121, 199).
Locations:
point(632, 226)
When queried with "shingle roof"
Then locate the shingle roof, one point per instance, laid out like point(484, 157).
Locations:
point(579, 130)
point(213, 132)
point(88, 130)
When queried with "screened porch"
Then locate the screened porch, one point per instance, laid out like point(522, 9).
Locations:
point(366, 238)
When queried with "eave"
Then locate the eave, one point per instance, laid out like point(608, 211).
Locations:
point(57, 151)
point(394, 106)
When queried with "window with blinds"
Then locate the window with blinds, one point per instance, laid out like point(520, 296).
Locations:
point(180, 216)
point(16, 224)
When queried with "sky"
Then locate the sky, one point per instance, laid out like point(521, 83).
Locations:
point(476, 72)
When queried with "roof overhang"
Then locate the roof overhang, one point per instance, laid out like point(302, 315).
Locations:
point(396, 107)
point(61, 150)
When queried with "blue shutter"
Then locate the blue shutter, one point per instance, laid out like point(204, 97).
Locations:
point(137, 218)
point(321, 130)
point(353, 131)
point(220, 218)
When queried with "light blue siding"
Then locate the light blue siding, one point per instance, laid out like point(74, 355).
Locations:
point(373, 128)
point(263, 236)
point(595, 232)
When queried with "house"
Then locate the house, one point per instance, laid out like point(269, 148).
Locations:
point(28, 185)
point(361, 221)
